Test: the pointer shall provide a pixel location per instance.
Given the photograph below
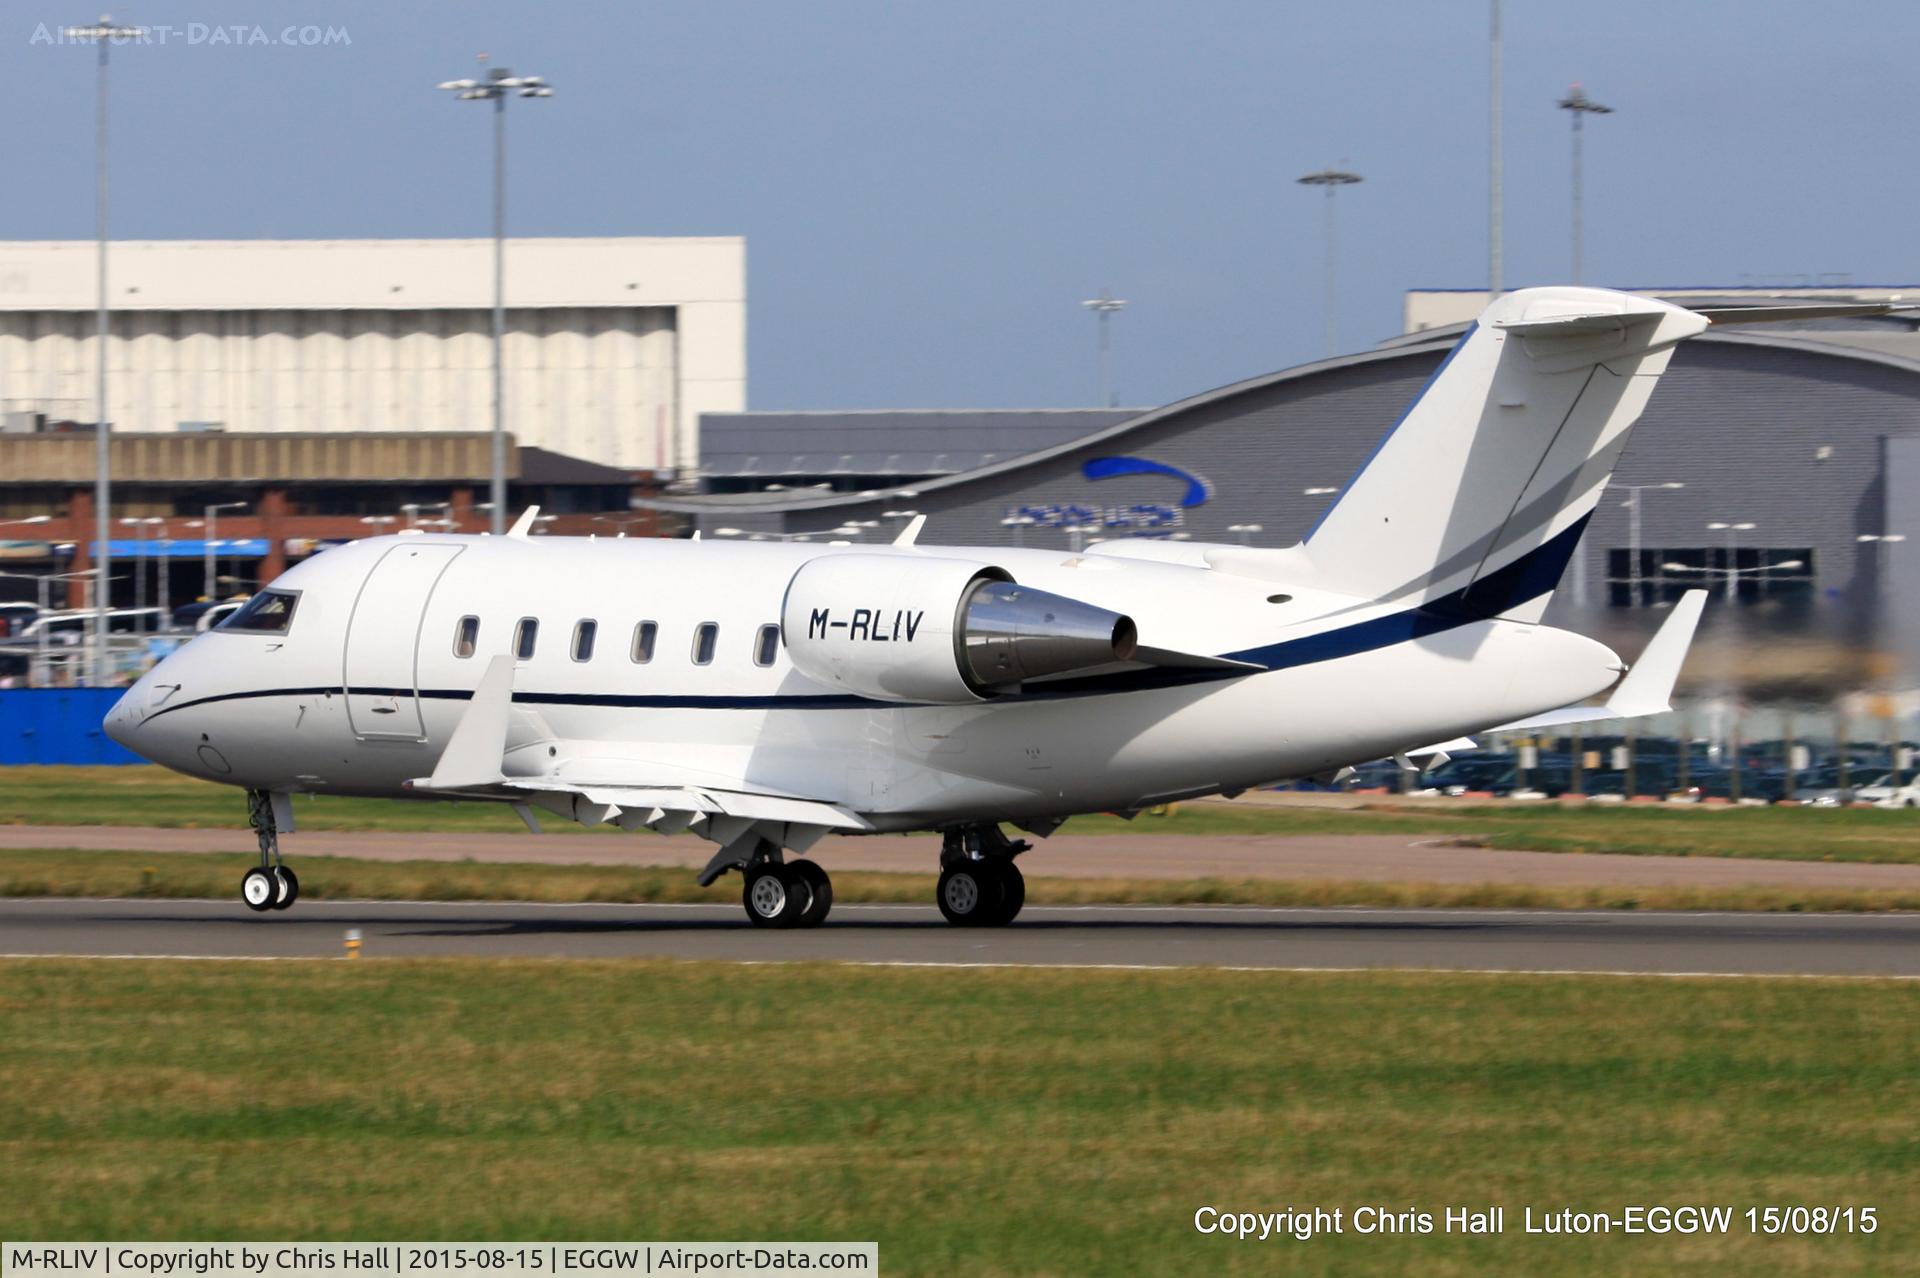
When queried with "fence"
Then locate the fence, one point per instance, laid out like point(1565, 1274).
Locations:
point(59, 725)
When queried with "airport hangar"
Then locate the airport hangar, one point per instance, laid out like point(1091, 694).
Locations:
point(1810, 432)
point(328, 389)
point(614, 347)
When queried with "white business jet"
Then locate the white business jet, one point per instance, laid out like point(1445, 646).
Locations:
point(764, 695)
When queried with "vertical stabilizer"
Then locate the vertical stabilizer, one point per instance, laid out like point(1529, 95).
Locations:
point(1477, 497)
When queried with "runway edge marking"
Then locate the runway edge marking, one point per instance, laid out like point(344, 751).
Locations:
point(967, 964)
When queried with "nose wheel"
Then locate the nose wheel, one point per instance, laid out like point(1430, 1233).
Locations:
point(269, 885)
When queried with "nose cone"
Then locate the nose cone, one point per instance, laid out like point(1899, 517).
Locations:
point(120, 720)
point(123, 720)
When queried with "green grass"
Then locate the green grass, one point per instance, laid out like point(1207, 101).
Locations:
point(153, 796)
point(975, 1122)
point(33, 872)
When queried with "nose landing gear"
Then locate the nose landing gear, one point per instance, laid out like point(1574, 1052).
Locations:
point(269, 885)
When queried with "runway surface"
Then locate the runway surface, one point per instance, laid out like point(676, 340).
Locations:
point(1118, 936)
point(1410, 858)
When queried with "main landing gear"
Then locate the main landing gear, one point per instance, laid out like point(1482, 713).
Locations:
point(269, 885)
point(980, 886)
point(785, 894)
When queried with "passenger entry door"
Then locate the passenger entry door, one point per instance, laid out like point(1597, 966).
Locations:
point(381, 671)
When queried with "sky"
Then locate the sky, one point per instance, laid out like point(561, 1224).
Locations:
point(929, 192)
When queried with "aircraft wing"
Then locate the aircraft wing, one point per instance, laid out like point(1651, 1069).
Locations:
point(725, 812)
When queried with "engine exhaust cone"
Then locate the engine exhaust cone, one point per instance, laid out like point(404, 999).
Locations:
point(1010, 633)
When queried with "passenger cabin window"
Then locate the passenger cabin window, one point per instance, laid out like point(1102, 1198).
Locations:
point(525, 635)
point(583, 633)
point(268, 613)
point(766, 646)
point(643, 636)
point(466, 637)
point(705, 639)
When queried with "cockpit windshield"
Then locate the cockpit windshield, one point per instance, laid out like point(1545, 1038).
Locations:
point(268, 613)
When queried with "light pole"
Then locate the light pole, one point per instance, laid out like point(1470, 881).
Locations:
point(1331, 180)
point(210, 557)
point(1733, 532)
point(1579, 106)
point(1632, 503)
point(1105, 307)
point(1245, 531)
point(103, 33)
point(1496, 283)
point(140, 528)
point(499, 85)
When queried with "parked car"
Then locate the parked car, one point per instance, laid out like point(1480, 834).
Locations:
point(1891, 790)
point(16, 617)
point(70, 629)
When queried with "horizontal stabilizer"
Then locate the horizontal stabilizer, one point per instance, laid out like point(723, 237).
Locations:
point(1774, 314)
point(1570, 325)
point(1648, 686)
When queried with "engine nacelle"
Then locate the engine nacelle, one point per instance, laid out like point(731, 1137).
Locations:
point(946, 631)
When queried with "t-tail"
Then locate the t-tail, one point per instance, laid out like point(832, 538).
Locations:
point(1476, 499)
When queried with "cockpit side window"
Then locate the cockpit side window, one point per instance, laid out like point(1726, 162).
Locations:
point(268, 613)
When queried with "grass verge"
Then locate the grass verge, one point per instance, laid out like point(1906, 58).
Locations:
point(62, 872)
point(156, 797)
point(974, 1122)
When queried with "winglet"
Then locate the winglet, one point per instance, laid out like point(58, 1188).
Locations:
point(523, 526)
point(479, 741)
point(911, 533)
point(1648, 687)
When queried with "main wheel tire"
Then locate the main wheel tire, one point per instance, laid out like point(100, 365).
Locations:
point(969, 895)
point(1013, 893)
point(774, 896)
point(289, 887)
point(820, 888)
point(258, 888)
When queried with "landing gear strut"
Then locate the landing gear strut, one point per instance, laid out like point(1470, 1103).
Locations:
point(785, 894)
point(269, 885)
point(979, 884)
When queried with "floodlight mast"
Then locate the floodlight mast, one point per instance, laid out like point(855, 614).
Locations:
point(1332, 180)
point(499, 85)
point(102, 33)
point(1106, 306)
point(1579, 106)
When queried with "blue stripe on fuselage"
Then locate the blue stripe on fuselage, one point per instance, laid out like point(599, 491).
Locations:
point(1525, 579)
